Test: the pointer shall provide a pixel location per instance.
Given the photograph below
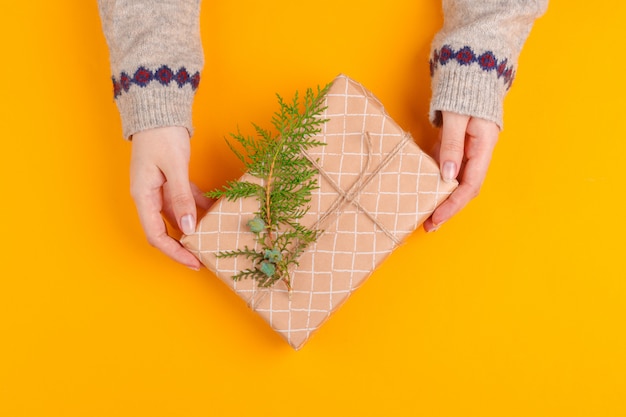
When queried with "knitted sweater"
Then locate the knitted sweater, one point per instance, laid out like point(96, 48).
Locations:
point(474, 56)
point(156, 57)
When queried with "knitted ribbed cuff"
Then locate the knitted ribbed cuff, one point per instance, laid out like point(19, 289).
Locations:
point(150, 107)
point(467, 91)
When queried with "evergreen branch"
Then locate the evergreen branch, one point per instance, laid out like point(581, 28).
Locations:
point(288, 179)
point(248, 273)
point(247, 253)
point(235, 190)
point(242, 140)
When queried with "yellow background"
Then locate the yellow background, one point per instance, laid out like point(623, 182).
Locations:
point(516, 307)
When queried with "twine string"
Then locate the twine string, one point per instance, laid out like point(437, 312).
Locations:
point(346, 197)
point(350, 196)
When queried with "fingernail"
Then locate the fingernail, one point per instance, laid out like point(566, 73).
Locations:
point(436, 227)
point(188, 224)
point(448, 171)
point(193, 268)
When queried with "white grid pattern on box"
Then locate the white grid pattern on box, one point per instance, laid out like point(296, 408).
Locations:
point(354, 243)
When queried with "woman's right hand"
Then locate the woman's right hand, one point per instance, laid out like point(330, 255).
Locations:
point(160, 186)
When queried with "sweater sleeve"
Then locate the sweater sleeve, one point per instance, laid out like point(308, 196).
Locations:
point(475, 54)
point(156, 58)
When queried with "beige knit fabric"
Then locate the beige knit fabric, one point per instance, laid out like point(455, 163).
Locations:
point(464, 85)
point(153, 34)
point(376, 188)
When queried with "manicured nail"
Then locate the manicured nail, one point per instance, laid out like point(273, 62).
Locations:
point(436, 227)
point(188, 224)
point(448, 171)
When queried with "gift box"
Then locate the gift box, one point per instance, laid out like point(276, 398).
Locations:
point(376, 186)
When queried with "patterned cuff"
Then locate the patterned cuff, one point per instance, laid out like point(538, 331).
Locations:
point(468, 83)
point(150, 99)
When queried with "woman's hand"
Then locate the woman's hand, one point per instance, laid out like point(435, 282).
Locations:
point(159, 184)
point(466, 146)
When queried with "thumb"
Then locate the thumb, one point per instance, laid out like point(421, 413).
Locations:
point(452, 149)
point(180, 202)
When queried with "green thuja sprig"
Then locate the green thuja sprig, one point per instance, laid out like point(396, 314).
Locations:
point(288, 178)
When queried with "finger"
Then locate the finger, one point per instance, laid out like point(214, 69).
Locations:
point(472, 178)
point(452, 147)
point(453, 204)
point(180, 199)
point(149, 204)
point(173, 248)
point(202, 202)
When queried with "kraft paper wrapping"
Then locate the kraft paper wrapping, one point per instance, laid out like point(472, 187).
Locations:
point(376, 186)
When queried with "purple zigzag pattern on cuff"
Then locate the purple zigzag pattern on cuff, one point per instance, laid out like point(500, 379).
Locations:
point(163, 75)
point(487, 62)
